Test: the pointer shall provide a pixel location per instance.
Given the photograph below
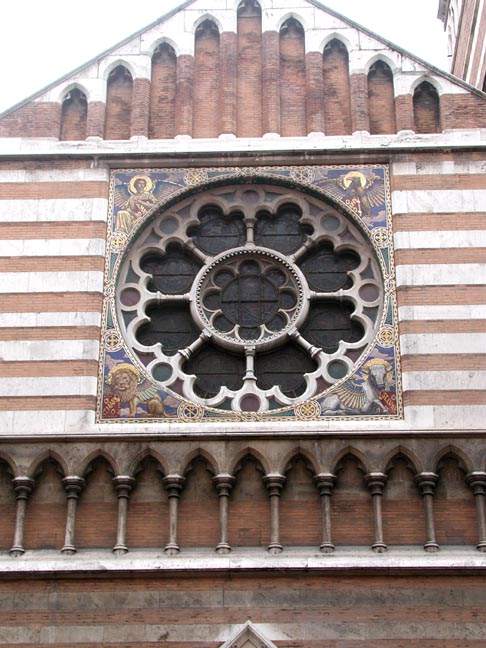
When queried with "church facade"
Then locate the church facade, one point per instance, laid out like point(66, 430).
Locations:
point(243, 342)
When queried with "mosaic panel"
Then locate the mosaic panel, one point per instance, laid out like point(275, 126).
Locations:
point(129, 393)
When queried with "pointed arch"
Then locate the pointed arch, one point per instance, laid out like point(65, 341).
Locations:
point(147, 452)
point(249, 89)
point(46, 520)
point(119, 97)
point(402, 505)
point(300, 502)
point(163, 40)
point(381, 99)
point(455, 508)
point(292, 79)
point(337, 94)
point(401, 451)
point(461, 457)
point(206, 79)
point(99, 453)
point(9, 461)
point(252, 452)
point(353, 452)
point(297, 453)
point(200, 452)
point(198, 516)
point(44, 456)
point(163, 92)
point(147, 518)
point(426, 108)
point(74, 115)
point(98, 501)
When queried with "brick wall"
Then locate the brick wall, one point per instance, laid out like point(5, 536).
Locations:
point(251, 83)
point(118, 105)
point(297, 611)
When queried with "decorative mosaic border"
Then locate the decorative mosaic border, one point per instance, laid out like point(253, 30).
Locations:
point(363, 192)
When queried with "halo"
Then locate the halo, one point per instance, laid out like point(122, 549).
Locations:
point(123, 366)
point(148, 181)
point(354, 174)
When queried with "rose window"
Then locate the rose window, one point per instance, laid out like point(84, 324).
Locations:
point(249, 298)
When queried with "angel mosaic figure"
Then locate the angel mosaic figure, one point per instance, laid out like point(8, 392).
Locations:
point(137, 205)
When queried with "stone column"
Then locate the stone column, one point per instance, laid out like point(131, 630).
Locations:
point(173, 485)
point(376, 483)
point(325, 483)
point(224, 484)
point(23, 488)
point(73, 486)
point(123, 485)
point(426, 481)
point(477, 481)
point(274, 484)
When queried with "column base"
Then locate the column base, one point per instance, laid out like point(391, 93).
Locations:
point(15, 552)
point(481, 546)
point(327, 548)
point(223, 548)
point(275, 548)
point(120, 550)
point(431, 547)
point(172, 549)
point(68, 550)
point(379, 547)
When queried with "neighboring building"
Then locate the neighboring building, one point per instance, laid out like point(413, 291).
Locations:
point(465, 24)
point(243, 342)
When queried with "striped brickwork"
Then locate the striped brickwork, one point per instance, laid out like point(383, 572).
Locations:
point(52, 245)
point(440, 254)
point(313, 611)
point(52, 259)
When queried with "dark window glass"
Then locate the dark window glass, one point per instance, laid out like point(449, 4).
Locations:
point(172, 273)
point(171, 325)
point(216, 232)
point(282, 232)
point(284, 367)
point(326, 270)
point(215, 368)
point(330, 322)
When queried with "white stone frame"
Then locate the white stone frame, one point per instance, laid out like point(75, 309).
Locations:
point(248, 637)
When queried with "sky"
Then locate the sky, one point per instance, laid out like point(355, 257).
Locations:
point(41, 40)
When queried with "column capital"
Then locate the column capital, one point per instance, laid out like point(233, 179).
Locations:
point(23, 487)
point(274, 482)
point(376, 482)
point(325, 482)
point(477, 481)
point(174, 484)
point(223, 483)
point(123, 485)
point(73, 485)
point(426, 481)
